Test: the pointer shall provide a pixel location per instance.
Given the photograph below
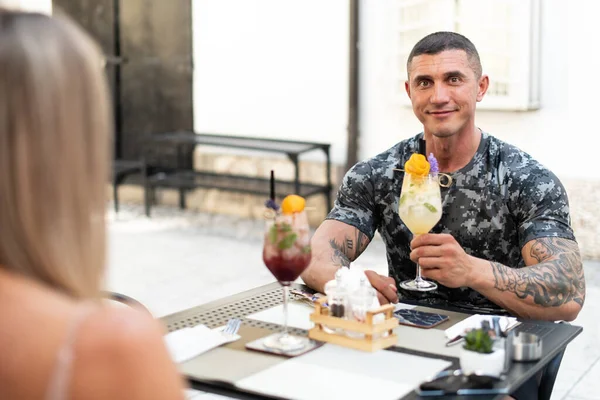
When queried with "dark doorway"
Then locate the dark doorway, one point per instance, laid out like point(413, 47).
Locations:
point(148, 45)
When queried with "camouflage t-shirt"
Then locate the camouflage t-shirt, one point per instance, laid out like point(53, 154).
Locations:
point(498, 202)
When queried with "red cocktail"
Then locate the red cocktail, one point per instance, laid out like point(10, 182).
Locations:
point(286, 253)
point(287, 248)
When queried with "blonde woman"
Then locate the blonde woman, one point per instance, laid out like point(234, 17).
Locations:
point(56, 340)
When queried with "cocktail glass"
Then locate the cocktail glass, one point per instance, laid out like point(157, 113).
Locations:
point(286, 253)
point(420, 208)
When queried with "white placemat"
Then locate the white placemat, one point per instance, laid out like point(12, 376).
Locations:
point(336, 372)
point(298, 315)
point(428, 340)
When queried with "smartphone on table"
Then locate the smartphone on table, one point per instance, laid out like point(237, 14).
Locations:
point(419, 319)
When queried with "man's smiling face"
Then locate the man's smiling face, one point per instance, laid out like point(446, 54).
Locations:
point(444, 89)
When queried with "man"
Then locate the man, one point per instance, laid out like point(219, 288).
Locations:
point(504, 242)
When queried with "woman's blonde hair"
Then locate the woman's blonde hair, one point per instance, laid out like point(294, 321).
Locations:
point(54, 153)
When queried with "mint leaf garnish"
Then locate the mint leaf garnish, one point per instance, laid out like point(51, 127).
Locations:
point(287, 242)
point(285, 227)
point(273, 234)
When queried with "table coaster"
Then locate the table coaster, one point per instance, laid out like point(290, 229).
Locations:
point(258, 345)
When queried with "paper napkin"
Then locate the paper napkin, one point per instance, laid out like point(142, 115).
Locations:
point(187, 343)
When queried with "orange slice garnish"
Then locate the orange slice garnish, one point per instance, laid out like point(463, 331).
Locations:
point(293, 204)
point(417, 165)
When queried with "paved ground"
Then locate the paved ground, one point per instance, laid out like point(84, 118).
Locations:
point(176, 260)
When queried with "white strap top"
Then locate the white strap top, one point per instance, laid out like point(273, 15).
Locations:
point(58, 387)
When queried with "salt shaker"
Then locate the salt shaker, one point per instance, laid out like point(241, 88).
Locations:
point(362, 300)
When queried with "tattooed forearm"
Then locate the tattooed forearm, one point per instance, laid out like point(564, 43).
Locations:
point(349, 249)
point(557, 280)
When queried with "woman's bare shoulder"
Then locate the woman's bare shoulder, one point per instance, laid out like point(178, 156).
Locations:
point(123, 355)
point(115, 327)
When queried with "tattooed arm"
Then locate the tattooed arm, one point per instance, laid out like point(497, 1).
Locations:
point(336, 244)
point(551, 287)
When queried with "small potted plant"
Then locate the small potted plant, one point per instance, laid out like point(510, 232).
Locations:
point(479, 356)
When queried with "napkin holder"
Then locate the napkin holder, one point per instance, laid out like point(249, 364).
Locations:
point(373, 336)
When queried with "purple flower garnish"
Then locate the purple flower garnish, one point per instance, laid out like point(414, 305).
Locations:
point(433, 164)
point(272, 205)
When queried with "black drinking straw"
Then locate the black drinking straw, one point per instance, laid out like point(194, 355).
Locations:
point(422, 147)
point(272, 185)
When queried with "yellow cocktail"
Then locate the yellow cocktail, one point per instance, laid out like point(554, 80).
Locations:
point(420, 208)
point(420, 205)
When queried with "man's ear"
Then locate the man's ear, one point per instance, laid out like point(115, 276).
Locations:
point(484, 84)
point(407, 88)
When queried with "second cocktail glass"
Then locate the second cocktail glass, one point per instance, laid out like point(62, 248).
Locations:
point(286, 253)
point(420, 208)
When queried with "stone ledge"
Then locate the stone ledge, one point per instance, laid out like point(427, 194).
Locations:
point(214, 201)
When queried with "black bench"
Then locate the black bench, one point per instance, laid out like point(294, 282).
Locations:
point(185, 179)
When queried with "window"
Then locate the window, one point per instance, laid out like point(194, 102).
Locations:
point(505, 32)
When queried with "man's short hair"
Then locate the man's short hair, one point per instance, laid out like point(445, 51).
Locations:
point(437, 42)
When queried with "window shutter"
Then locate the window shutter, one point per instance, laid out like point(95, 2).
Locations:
point(505, 32)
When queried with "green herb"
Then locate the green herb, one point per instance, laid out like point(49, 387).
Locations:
point(306, 250)
point(402, 199)
point(287, 242)
point(285, 227)
point(273, 234)
point(430, 207)
point(478, 340)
